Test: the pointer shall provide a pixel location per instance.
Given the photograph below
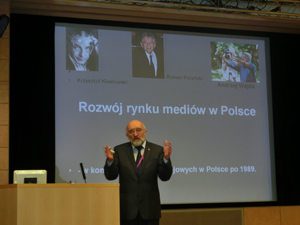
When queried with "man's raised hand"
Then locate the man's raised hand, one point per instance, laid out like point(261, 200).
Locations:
point(109, 153)
point(167, 150)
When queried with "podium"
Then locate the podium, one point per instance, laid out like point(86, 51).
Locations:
point(59, 204)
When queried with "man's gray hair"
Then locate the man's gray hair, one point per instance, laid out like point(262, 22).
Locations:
point(145, 34)
point(248, 55)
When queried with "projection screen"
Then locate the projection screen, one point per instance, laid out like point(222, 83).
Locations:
point(209, 95)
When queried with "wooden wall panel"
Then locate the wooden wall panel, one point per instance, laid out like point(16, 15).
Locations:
point(4, 96)
point(3, 158)
point(4, 114)
point(4, 7)
point(3, 136)
point(4, 93)
point(4, 70)
point(290, 215)
point(262, 216)
point(153, 15)
point(4, 48)
point(9, 196)
point(224, 216)
point(3, 177)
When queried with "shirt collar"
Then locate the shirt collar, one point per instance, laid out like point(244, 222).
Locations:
point(152, 53)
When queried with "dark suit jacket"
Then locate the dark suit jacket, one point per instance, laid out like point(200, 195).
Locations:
point(139, 192)
point(140, 65)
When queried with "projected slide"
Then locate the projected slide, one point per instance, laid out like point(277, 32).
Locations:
point(207, 94)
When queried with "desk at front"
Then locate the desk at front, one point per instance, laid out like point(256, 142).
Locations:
point(59, 204)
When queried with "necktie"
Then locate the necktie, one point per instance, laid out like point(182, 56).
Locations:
point(138, 158)
point(152, 65)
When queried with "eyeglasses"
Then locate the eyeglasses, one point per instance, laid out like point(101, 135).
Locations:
point(148, 43)
point(137, 130)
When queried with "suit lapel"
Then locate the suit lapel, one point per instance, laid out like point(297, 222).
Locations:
point(147, 154)
point(130, 156)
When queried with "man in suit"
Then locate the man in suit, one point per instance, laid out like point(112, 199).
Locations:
point(244, 65)
point(138, 163)
point(145, 62)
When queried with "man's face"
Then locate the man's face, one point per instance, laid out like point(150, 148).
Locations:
point(136, 132)
point(81, 49)
point(245, 58)
point(148, 44)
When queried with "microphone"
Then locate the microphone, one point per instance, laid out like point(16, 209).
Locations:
point(82, 171)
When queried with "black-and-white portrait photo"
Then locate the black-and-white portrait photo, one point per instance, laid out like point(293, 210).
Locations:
point(82, 49)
